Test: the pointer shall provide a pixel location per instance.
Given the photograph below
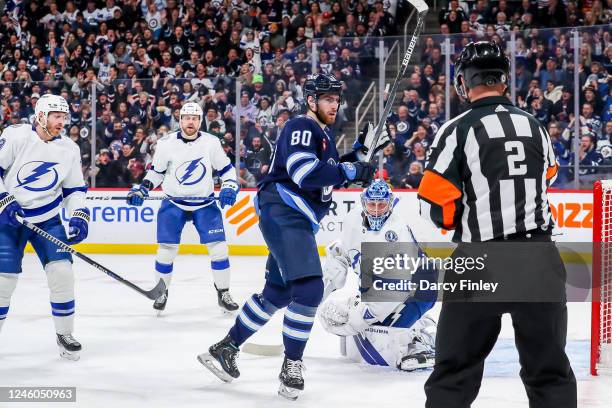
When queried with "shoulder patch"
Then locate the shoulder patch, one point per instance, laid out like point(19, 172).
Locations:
point(500, 108)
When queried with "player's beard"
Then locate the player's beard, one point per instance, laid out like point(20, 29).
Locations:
point(327, 119)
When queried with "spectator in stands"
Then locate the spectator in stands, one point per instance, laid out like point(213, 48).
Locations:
point(414, 176)
point(107, 172)
point(246, 179)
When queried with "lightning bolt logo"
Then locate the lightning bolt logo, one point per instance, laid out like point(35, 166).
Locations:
point(40, 171)
point(188, 169)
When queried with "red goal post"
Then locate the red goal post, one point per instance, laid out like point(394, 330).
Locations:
point(601, 319)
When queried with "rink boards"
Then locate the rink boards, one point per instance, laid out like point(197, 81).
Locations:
point(118, 228)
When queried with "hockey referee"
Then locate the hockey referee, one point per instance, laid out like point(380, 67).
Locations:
point(487, 177)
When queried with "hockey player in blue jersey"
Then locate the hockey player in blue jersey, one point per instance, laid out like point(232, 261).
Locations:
point(291, 200)
point(39, 171)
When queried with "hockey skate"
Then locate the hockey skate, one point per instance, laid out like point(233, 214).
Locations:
point(69, 347)
point(221, 359)
point(291, 379)
point(419, 356)
point(160, 303)
point(225, 301)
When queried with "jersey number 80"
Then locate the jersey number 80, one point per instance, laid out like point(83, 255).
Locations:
point(301, 137)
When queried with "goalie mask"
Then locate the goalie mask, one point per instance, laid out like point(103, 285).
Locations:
point(480, 63)
point(377, 203)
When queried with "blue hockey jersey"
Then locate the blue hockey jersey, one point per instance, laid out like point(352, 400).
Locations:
point(305, 169)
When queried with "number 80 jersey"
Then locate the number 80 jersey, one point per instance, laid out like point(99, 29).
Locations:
point(305, 165)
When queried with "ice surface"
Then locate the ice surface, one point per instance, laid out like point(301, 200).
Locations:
point(131, 358)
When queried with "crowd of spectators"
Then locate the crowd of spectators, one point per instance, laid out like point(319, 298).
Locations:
point(145, 58)
point(544, 60)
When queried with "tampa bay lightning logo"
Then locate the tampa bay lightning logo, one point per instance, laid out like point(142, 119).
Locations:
point(191, 172)
point(37, 176)
point(391, 236)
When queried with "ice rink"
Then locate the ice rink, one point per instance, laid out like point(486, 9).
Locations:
point(131, 358)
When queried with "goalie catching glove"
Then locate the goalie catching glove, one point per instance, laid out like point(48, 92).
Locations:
point(346, 317)
point(365, 140)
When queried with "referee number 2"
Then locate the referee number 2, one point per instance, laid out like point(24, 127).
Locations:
point(516, 156)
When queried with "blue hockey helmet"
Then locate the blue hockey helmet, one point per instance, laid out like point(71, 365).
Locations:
point(320, 84)
point(377, 203)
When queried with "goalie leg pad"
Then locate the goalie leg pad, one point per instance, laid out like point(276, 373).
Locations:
point(60, 278)
point(8, 282)
point(219, 263)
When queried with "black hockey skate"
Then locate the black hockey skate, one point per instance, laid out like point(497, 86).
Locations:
point(225, 301)
point(221, 359)
point(291, 379)
point(69, 347)
point(160, 303)
point(418, 357)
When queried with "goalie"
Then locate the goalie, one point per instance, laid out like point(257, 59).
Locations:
point(396, 334)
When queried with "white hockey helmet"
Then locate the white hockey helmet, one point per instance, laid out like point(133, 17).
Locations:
point(192, 108)
point(49, 103)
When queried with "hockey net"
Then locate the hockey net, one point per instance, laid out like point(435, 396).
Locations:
point(601, 330)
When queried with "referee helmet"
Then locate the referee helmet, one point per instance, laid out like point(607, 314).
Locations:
point(480, 63)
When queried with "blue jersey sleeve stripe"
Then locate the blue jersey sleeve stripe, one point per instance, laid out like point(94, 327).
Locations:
point(67, 191)
point(303, 171)
point(33, 212)
point(291, 160)
point(225, 169)
point(299, 163)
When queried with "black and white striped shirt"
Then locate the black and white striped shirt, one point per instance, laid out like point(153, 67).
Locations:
point(488, 172)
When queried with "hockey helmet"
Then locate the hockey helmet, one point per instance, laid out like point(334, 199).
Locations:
point(480, 63)
point(377, 203)
point(320, 84)
point(49, 103)
point(191, 108)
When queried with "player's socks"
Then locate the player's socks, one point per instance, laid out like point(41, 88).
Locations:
point(297, 325)
point(221, 273)
point(3, 312)
point(164, 272)
point(254, 314)
point(63, 316)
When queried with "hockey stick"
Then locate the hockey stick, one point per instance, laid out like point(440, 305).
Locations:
point(152, 294)
point(422, 10)
point(266, 350)
point(155, 198)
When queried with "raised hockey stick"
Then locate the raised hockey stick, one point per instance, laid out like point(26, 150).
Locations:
point(152, 294)
point(422, 9)
point(154, 198)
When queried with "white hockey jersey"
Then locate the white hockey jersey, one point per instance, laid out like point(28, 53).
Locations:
point(184, 168)
point(41, 175)
point(355, 233)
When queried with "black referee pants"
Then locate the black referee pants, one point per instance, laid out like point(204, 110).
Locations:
point(468, 330)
